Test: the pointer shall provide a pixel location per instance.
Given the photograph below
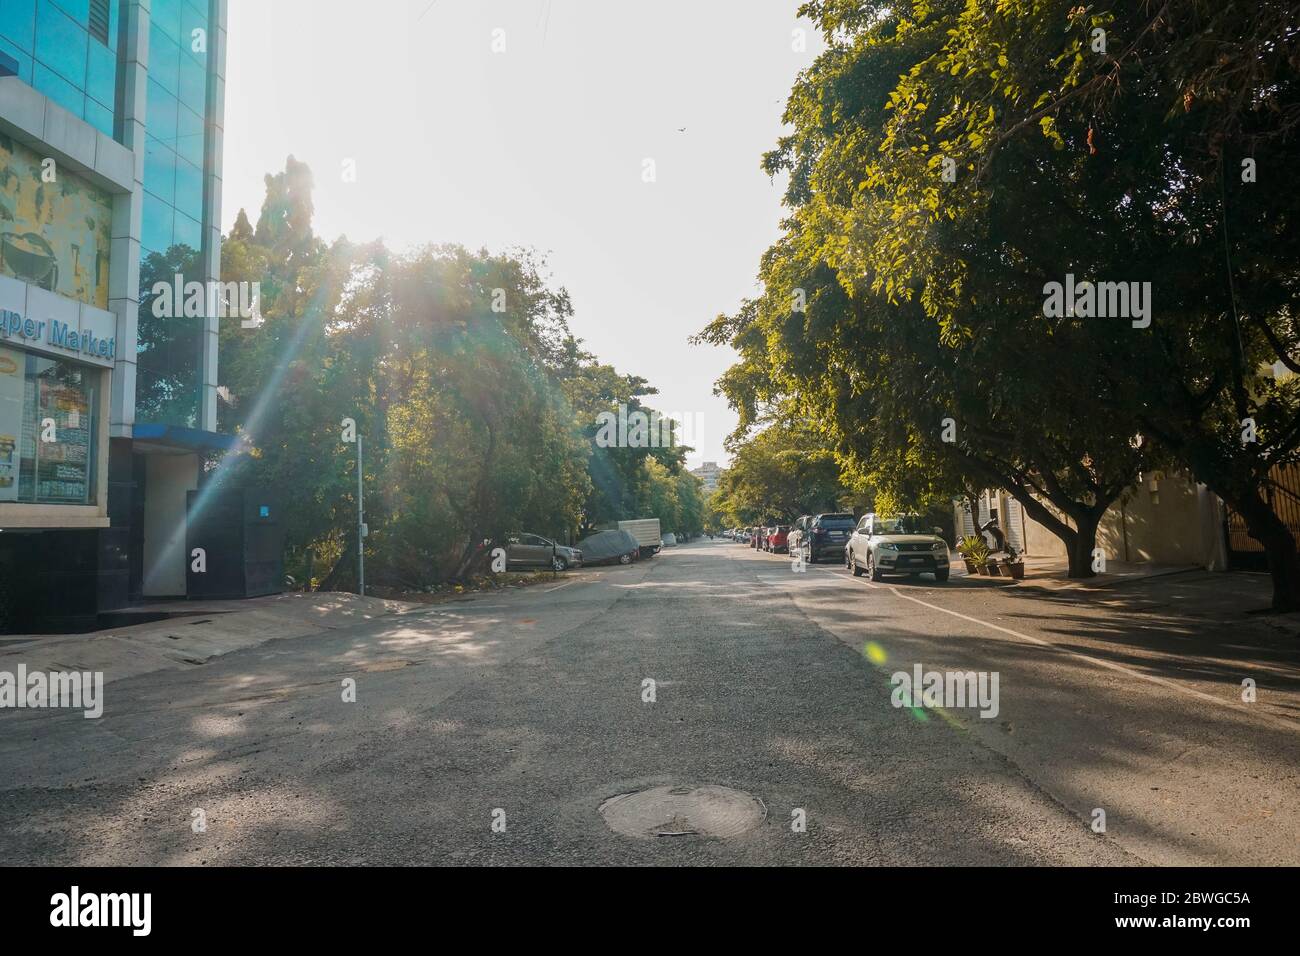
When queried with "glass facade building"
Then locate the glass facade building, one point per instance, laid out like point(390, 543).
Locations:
point(110, 182)
point(168, 376)
point(67, 49)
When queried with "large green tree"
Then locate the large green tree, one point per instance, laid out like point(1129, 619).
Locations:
point(949, 160)
point(780, 473)
point(476, 404)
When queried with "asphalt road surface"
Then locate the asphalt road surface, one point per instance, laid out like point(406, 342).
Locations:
point(491, 731)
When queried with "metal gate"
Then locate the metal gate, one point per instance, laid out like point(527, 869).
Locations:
point(1283, 494)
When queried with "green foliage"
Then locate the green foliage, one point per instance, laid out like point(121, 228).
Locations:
point(476, 422)
point(925, 296)
point(782, 473)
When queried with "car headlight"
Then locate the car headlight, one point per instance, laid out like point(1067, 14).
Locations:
point(941, 546)
point(886, 546)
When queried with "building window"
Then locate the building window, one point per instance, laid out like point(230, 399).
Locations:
point(99, 17)
point(46, 398)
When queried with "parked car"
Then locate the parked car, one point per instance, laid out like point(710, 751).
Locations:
point(742, 536)
point(826, 534)
point(880, 546)
point(794, 540)
point(669, 539)
point(534, 551)
point(778, 539)
point(609, 547)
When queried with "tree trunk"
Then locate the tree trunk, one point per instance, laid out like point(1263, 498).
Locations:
point(1268, 529)
point(1083, 543)
point(347, 562)
point(1079, 541)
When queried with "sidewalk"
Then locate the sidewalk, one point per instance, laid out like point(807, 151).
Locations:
point(1053, 573)
point(1243, 597)
point(208, 629)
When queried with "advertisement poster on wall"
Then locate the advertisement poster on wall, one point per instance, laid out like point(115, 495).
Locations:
point(63, 466)
point(53, 236)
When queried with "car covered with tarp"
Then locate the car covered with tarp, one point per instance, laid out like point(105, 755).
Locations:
point(609, 547)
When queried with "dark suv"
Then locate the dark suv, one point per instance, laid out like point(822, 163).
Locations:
point(826, 534)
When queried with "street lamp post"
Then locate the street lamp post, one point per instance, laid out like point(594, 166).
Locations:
point(361, 527)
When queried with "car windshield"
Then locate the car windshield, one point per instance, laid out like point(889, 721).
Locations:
point(836, 522)
point(906, 524)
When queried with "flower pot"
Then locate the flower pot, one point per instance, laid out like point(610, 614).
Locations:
point(982, 569)
point(994, 571)
point(1015, 569)
point(970, 566)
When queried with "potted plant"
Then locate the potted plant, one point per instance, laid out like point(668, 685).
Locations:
point(966, 547)
point(1014, 564)
point(975, 552)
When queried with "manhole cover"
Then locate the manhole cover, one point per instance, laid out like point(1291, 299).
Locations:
point(683, 811)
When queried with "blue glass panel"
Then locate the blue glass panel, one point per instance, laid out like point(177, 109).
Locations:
point(157, 232)
point(160, 115)
point(24, 61)
point(79, 10)
point(167, 15)
point(189, 136)
point(189, 189)
point(191, 20)
point(18, 23)
point(164, 60)
point(188, 232)
point(159, 171)
point(194, 84)
point(101, 73)
point(197, 11)
point(58, 89)
point(99, 116)
point(61, 44)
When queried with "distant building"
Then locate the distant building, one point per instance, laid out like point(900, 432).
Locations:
point(709, 473)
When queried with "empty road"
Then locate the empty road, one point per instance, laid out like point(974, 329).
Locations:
point(492, 731)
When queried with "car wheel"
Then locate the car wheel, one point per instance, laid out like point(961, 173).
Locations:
point(853, 566)
point(558, 563)
point(625, 559)
point(941, 576)
point(872, 570)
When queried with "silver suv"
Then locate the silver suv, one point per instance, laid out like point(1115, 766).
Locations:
point(881, 546)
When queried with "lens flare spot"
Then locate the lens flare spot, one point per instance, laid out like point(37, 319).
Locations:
point(875, 653)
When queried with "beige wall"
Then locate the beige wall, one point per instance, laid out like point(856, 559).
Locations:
point(1162, 520)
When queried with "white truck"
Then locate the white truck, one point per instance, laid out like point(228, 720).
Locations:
point(646, 532)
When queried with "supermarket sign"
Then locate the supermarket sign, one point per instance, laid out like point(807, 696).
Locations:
point(53, 335)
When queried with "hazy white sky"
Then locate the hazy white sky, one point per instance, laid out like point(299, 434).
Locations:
point(541, 145)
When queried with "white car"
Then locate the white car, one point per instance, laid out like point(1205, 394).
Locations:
point(881, 546)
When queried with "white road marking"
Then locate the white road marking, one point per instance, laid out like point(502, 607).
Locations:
point(1110, 665)
point(558, 586)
